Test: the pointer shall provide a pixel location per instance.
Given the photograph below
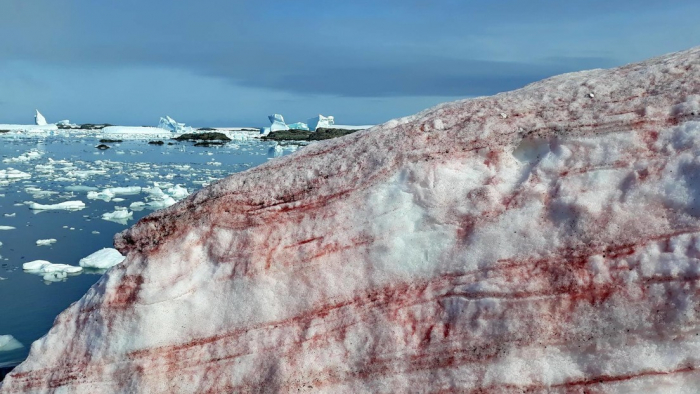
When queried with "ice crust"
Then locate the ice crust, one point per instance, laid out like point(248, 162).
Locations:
point(545, 240)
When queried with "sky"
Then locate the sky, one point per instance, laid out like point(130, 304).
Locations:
point(232, 63)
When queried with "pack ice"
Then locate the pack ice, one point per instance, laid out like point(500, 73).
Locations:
point(545, 240)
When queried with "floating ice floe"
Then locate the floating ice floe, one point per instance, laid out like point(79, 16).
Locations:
point(12, 174)
point(9, 343)
point(120, 215)
point(45, 242)
point(6, 228)
point(25, 157)
point(66, 205)
point(110, 192)
point(131, 132)
point(49, 271)
point(178, 192)
point(102, 259)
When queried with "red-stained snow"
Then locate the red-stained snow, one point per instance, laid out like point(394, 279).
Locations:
point(541, 240)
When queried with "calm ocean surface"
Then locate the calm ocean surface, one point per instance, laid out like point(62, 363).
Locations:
point(63, 169)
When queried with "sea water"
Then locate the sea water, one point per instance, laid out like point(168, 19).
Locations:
point(66, 170)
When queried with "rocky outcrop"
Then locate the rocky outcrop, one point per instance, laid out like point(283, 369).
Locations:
point(541, 240)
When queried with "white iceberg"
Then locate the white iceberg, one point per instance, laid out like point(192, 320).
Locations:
point(66, 205)
point(277, 123)
point(6, 228)
point(102, 259)
point(45, 242)
point(320, 121)
point(8, 343)
point(39, 119)
point(168, 123)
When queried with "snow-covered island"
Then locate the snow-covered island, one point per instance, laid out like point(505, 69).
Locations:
point(545, 240)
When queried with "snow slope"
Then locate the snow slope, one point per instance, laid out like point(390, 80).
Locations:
point(545, 240)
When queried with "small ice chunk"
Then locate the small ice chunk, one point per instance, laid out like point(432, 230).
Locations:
point(8, 343)
point(178, 192)
point(45, 242)
point(6, 228)
point(102, 259)
point(119, 214)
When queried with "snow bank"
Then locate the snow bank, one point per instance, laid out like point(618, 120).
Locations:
point(102, 259)
point(545, 240)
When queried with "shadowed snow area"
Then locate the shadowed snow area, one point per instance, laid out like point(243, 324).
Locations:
point(541, 240)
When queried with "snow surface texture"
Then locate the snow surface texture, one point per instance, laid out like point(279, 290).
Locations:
point(541, 240)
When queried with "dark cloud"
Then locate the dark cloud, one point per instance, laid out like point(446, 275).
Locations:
point(357, 49)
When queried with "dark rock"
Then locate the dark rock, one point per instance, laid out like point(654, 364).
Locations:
point(156, 142)
point(303, 135)
point(205, 129)
point(105, 140)
point(102, 147)
point(210, 136)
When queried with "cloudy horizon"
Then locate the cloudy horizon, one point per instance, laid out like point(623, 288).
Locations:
point(216, 63)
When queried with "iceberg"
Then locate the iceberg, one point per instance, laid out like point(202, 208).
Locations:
point(277, 123)
point(49, 271)
point(320, 121)
point(39, 119)
point(168, 123)
point(456, 250)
